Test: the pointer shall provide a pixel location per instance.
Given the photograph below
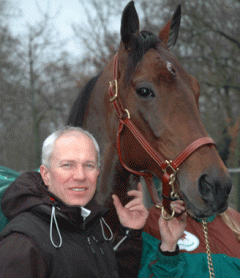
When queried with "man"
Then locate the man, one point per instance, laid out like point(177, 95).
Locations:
point(56, 228)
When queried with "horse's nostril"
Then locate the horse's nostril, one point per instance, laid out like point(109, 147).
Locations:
point(206, 187)
point(214, 190)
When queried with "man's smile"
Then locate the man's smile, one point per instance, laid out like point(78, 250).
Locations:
point(78, 189)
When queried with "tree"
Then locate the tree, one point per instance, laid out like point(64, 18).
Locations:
point(97, 34)
point(38, 77)
point(10, 78)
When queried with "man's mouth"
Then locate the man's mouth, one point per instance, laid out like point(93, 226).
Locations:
point(78, 189)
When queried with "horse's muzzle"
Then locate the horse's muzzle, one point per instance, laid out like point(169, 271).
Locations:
point(214, 191)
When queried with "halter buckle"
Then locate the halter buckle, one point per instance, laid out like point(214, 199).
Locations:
point(174, 195)
point(111, 83)
point(169, 165)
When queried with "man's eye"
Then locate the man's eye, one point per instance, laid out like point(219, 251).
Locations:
point(67, 165)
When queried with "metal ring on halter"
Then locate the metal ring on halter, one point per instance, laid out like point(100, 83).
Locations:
point(174, 196)
point(171, 216)
point(158, 206)
point(128, 113)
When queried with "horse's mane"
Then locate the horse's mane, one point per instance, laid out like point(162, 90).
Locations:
point(141, 44)
point(78, 110)
point(146, 40)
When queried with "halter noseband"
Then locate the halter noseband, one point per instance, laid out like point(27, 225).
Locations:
point(169, 167)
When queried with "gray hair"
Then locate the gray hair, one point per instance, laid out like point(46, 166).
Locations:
point(50, 141)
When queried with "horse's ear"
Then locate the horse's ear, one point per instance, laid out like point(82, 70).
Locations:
point(129, 24)
point(169, 33)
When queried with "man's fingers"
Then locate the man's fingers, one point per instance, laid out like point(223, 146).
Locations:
point(179, 210)
point(134, 202)
point(140, 187)
point(183, 217)
point(136, 193)
point(178, 206)
point(117, 202)
point(138, 208)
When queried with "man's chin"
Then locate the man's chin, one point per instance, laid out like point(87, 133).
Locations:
point(78, 202)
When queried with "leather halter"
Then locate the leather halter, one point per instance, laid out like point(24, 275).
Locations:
point(169, 168)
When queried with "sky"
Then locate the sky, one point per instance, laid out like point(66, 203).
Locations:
point(64, 12)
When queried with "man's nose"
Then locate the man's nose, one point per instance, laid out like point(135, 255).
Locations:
point(79, 173)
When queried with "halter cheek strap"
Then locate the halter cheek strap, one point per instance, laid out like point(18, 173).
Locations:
point(169, 168)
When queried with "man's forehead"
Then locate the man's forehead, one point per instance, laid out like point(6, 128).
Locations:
point(69, 146)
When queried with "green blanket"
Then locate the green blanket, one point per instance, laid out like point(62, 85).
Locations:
point(7, 176)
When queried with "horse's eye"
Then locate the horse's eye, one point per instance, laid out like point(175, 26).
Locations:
point(145, 93)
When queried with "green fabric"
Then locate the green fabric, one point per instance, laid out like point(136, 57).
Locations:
point(209, 219)
point(184, 265)
point(7, 176)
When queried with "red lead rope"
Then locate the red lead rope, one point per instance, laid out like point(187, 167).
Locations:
point(169, 168)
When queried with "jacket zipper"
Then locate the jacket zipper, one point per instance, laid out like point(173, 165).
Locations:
point(89, 242)
point(101, 250)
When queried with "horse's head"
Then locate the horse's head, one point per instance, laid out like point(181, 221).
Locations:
point(162, 99)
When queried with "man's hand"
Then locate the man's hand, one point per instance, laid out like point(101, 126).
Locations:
point(172, 230)
point(134, 214)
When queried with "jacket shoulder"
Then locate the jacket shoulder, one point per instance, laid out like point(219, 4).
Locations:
point(28, 224)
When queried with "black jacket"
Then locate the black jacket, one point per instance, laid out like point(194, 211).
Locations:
point(29, 243)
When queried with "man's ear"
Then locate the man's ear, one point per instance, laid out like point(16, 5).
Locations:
point(99, 171)
point(45, 174)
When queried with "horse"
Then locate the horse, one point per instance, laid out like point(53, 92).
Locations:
point(143, 110)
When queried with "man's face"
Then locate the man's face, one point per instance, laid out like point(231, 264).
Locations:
point(73, 171)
